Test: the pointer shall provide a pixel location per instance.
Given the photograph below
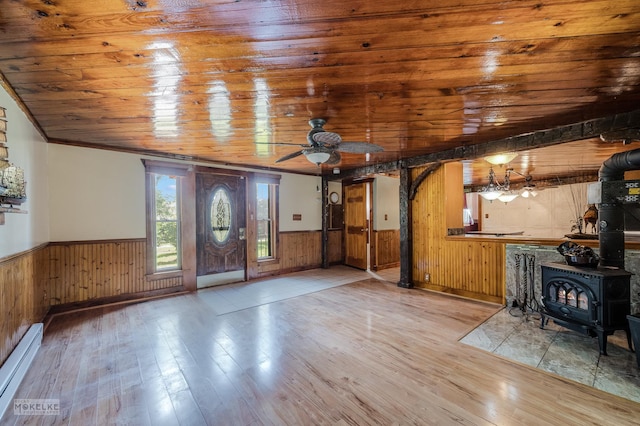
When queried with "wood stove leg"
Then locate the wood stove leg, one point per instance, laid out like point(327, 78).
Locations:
point(543, 321)
point(628, 331)
point(602, 341)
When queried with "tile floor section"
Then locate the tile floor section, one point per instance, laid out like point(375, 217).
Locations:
point(560, 351)
point(235, 297)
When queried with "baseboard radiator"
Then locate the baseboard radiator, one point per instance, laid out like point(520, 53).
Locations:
point(16, 366)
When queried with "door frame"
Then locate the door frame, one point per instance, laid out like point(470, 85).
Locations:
point(243, 175)
point(369, 216)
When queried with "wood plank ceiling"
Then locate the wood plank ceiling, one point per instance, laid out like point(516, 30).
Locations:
point(214, 80)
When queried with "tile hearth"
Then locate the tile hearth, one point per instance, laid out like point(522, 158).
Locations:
point(513, 335)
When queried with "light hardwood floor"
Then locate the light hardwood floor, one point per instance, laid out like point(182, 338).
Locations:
point(358, 354)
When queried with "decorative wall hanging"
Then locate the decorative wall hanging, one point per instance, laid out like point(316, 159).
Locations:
point(12, 185)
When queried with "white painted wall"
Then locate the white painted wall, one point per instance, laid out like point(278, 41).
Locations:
point(95, 194)
point(299, 195)
point(549, 214)
point(28, 150)
point(386, 201)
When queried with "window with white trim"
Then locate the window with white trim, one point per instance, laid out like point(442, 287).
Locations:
point(266, 202)
point(166, 222)
point(164, 230)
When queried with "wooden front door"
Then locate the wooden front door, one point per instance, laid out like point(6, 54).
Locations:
point(356, 225)
point(221, 223)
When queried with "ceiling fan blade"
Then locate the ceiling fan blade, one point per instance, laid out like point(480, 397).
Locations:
point(290, 156)
point(334, 159)
point(359, 147)
point(327, 138)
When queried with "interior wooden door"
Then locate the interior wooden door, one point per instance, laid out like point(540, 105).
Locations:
point(220, 223)
point(356, 225)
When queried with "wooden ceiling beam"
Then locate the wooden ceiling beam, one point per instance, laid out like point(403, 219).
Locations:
point(569, 133)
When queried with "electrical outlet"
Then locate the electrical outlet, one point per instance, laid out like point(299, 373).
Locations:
point(427, 277)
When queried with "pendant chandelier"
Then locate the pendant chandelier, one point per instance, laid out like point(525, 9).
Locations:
point(502, 191)
point(496, 190)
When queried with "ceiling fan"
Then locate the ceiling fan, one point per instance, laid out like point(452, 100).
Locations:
point(325, 147)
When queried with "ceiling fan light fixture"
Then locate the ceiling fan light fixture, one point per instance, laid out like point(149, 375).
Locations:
point(317, 157)
point(499, 159)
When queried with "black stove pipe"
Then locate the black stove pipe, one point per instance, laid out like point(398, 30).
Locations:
point(611, 215)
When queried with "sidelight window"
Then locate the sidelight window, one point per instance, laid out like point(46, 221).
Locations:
point(166, 222)
point(266, 208)
point(164, 239)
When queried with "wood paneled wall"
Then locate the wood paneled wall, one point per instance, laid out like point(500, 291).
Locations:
point(23, 296)
point(467, 268)
point(300, 250)
point(336, 247)
point(386, 249)
point(83, 271)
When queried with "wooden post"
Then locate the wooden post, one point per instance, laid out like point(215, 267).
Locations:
point(406, 240)
point(325, 222)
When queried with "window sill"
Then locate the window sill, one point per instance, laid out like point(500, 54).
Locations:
point(269, 261)
point(164, 275)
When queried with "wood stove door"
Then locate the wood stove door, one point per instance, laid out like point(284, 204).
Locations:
point(570, 300)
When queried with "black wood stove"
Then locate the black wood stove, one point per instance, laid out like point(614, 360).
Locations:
point(592, 301)
point(597, 301)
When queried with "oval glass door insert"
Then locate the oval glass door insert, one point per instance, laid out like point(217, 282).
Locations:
point(220, 215)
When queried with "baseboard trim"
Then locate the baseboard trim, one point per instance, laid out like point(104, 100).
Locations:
point(16, 366)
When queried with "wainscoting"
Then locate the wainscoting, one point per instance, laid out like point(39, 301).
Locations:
point(82, 271)
point(386, 249)
point(23, 296)
point(300, 250)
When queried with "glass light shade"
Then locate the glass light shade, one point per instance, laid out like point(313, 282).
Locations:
point(527, 192)
point(508, 197)
point(490, 195)
point(317, 157)
point(501, 158)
